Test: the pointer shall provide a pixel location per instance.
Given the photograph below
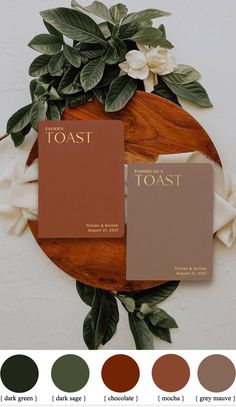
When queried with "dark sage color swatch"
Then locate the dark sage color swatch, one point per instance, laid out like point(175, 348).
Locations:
point(216, 373)
point(120, 373)
point(171, 373)
point(70, 373)
point(19, 373)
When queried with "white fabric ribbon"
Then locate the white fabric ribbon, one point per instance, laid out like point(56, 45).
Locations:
point(21, 203)
point(22, 199)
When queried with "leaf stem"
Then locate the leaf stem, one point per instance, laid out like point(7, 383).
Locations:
point(3, 137)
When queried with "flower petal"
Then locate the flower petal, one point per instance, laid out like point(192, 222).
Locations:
point(143, 48)
point(124, 66)
point(139, 73)
point(150, 82)
point(136, 59)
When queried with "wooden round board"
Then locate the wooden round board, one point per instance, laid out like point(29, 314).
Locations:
point(153, 126)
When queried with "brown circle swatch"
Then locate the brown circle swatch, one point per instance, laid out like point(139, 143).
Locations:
point(170, 373)
point(120, 373)
point(216, 373)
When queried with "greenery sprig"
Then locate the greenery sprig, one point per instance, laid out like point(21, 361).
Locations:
point(145, 317)
point(70, 73)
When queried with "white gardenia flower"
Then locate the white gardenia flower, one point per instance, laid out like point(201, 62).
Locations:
point(148, 62)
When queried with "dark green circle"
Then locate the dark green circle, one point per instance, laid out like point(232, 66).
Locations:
point(19, 373)
point(70, 373)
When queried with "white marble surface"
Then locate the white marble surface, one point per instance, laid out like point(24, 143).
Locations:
point(39, 306)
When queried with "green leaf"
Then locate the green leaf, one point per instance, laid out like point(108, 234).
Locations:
point(72, 55)
point(88, 332)
point(151, 36)
point(38, 113)
point(78, 99)
point(121, 91)
point(46, 44)
point(155, 295)
point(118, 12)
point(92, 53)
point(162, 333)
point(56, 63)
point(141, 333)
point(39, 66)
point(71, 89)
point(96, 8)
point(161, 318)
point(101, 94)
point(128, 302)
point(85, 292)
point(194, 92)
point(53, 113)
point(109, 75)
point(113, 320)
point(33, 86)
point(184, 74)
point(105, 29)
point(19, 120)
point(162, 90)
point(68, 79)
point(19, 137)
point(116, 51)
point(53, 30)
point(75, 25)
point(92, 73)
point(148, 14)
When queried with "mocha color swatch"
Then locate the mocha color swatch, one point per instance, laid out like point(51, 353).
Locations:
point(120, 373)
point(169, 222)
point(70, 373)
point(171, 373)
point(81, 179)
point(19, 373)
point(216, 373)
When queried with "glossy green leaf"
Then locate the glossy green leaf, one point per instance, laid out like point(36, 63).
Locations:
point(39, 66)
point(33, 86)
point(56, 63)
point(148, 14)
point(194, 92)
point(162, 90)
point(38, 113)
point(68, 79)
point(72, 55)
point(53, 30)
point(78, 99)
point(46, 44)
point(96, 8)
point(162, 333)
point(53, 113)
point(101, 94)
point(85, 292)
point(112, 322)
point(118, 12)
point(121, 91)
point(127, 301)
point(19, 120)
point(151, 36)
point(19, 137)
point(75, 25)
point(161, 318)
point(91, 74)
point(155, 295)
point(183, 74)
point(142, 336)
point(88, 332)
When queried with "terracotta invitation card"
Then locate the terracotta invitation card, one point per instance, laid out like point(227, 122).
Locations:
point(170, 222)
point(81, 179)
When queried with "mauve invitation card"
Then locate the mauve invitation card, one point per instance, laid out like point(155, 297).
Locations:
point(170, 222)
point(81, 179)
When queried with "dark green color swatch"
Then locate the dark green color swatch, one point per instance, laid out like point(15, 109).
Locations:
point(19, 373)
point(70, 373)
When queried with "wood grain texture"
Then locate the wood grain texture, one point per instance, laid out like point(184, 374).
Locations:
point(153, 126)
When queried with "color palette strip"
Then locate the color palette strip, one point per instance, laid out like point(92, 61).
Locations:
point(72, 378)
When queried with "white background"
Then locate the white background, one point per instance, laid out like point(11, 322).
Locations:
point(39, 306)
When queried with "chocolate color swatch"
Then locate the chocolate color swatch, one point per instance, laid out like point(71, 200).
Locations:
point(19, 373)
point(120, 373)
point(170, 373)
point(216, 373)
point(70, 373)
